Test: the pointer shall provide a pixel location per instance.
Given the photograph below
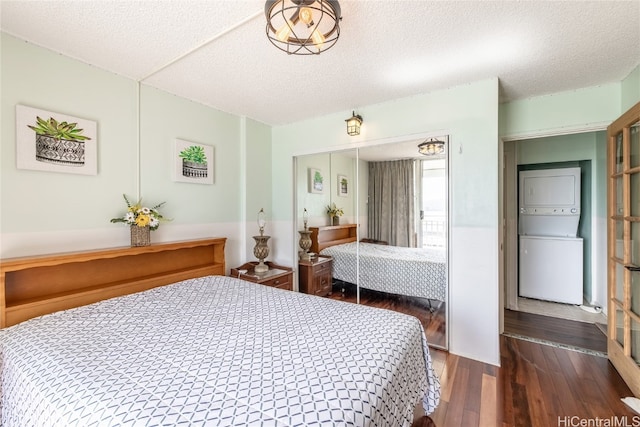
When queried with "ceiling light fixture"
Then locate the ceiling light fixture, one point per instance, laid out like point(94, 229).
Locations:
point(432, 147)
point(303, 27)
point(353, 124)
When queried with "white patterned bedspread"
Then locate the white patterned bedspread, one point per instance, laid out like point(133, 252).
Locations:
point(414, 272)
point(216, 351)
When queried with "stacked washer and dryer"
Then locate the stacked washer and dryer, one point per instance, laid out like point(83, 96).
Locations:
point(551, 253)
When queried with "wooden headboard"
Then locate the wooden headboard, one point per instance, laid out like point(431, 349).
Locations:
point(323, 237)
point(38, 285)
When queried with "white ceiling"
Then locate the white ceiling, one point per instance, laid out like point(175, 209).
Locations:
point(387, 49)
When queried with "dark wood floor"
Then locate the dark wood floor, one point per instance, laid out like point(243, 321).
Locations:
point(577, 334)
point(431, 314)
point(536, 384)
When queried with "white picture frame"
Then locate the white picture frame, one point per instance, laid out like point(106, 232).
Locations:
point(74, 150)
point(316, 181)
point(343, 185)
point(193, 162)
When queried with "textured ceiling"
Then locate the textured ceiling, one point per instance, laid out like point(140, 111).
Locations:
point(216, 52)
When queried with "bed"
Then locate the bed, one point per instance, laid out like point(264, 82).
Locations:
point(414, 272)
point(215, 351)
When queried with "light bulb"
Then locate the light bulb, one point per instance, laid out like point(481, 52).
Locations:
point(261, 220)
point(284, 32)
point(306, 16)
point(317, 38)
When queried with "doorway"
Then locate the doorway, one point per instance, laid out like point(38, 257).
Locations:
point(588, 152)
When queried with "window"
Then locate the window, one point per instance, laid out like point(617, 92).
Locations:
point(432, 230)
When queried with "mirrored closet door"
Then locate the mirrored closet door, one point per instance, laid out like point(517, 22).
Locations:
point(389, 248)
point(327, 212)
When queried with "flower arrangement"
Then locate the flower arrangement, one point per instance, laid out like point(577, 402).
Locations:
point(333, 210)
point(141, 216)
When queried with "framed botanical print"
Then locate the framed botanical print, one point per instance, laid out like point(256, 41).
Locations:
point(193, 162)
point(55, 142)
point(316, 181)
point(343, 186)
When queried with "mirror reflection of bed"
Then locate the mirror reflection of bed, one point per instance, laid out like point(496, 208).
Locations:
point(392, 257)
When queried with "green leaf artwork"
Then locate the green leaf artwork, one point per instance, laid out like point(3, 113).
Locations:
point(195, 154)
point(58, 130)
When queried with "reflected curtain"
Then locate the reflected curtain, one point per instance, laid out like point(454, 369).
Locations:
point(391, 211)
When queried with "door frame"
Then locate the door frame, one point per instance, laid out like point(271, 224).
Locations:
point(620, 355)
point(508, 206)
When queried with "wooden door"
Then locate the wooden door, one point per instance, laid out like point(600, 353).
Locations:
point(623, 231)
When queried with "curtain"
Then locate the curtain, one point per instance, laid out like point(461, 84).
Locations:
point(391, 211)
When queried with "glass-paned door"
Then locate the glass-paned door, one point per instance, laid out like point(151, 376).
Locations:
point(624, 246)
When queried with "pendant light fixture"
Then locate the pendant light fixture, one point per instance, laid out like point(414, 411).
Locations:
point(303, 27)
point(432, 147)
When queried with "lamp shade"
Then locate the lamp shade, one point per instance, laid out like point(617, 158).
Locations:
point(303, 27)
point(261, 221)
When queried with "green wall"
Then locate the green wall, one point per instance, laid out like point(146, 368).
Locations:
point(254, 182)
point(630, 89)
point(580, 110)
point(192, 122)
point(137, 125)
point(330, 165)
point(38, 201)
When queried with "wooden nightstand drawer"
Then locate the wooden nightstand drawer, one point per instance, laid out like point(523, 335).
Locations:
point(322, 268)
point(283, 282)
point(277, 276)
point(316, 276)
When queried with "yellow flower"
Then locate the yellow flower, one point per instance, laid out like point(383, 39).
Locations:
point(143, 220)
point(141, 216)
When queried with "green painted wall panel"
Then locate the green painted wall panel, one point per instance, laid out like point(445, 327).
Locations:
point(40, 201)
point(630, 89)
point(565, 112)
point(131, 154)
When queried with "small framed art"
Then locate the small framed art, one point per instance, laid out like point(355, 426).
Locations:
point(193, 162)
point(343, 186)
point(316, 181)
point(54, 142)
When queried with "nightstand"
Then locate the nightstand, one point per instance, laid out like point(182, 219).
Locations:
point(277, 276)
point(315, 276)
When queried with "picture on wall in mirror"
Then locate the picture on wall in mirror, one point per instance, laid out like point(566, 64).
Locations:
point(316, 181)
point(343, 186)
point(193, 162)
point(54, 142)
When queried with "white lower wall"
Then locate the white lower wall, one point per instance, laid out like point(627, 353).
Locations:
point(470, 334)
